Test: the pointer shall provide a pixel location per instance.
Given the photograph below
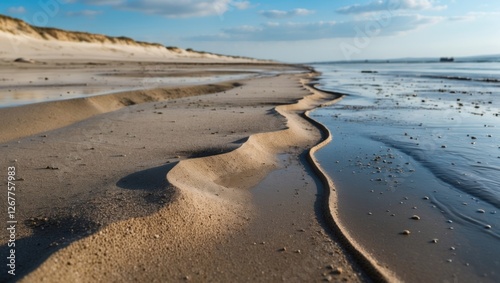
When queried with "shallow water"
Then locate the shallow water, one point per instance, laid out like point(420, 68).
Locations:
point(418, 139)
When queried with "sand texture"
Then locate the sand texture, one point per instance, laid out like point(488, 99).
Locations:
point(135, 192)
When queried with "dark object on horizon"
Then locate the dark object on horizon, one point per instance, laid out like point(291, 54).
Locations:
point(446, 59)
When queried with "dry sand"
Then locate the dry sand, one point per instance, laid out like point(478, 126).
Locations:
point(37, 44)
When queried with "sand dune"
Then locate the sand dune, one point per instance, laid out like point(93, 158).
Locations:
point(19, 39)
point(19, 27)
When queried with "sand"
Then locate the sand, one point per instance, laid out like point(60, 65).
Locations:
point(19, 40)
point(166, 176)
point(123, 192)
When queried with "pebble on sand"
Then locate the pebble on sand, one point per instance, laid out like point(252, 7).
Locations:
point(415, 217)
point(434, 241)
point(337, 270)
point(487, 226)
point(481, 210)
point(405, 232)
point(24, 60)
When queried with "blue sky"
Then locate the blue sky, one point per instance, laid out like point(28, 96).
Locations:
point(286, 30)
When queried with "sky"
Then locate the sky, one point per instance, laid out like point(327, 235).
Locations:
point(284, 30)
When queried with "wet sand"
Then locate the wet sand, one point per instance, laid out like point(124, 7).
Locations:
point(414, 160)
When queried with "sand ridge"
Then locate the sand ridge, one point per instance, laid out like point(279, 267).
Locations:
point(43, 117)
point(256, 155)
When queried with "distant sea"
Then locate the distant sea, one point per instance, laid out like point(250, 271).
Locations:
point(416, 146)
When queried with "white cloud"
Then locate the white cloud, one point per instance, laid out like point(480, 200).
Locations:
point(16, 10)
point(179, 9)
point(461, 18)
point(173, 8)
point(473, 16)
point(278, 14)
point(83, 13)
point(484, 14)
point(98, 2)
point(240, 5)
point(322, 30)
point(390, 5)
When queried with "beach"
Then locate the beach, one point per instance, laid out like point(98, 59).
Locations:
point(175, 182)
point(128, 161)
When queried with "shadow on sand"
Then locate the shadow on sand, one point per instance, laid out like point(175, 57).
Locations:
point(67, 223)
